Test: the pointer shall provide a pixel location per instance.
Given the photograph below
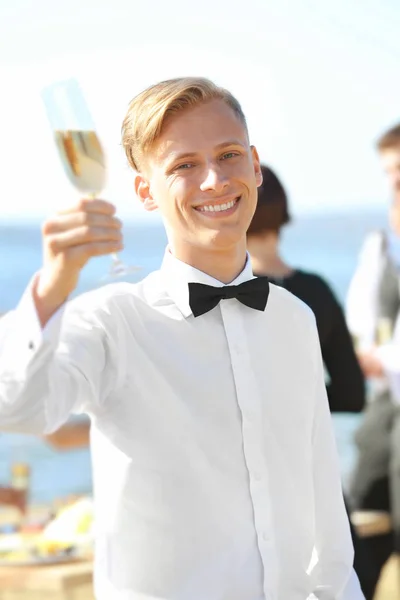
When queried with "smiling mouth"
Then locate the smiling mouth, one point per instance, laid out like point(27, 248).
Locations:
point(218, 208)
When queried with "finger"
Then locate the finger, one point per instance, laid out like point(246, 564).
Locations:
point(74, 220)
point(96, 249)
point(91, 205)
point(83, 235)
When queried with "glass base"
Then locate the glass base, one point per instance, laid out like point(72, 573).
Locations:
point(119, 269)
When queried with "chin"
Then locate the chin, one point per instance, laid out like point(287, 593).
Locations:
point(225, 238)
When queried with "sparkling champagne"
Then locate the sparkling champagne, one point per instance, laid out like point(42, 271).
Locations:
point(83, 159)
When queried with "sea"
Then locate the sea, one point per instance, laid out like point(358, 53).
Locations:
point(325, 243)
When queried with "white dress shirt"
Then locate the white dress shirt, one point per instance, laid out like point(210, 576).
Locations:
point(362, 314)
point(215, 471)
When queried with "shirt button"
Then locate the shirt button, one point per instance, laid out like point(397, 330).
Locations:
point(257, 476)
point(31, 345)
point(265, 536)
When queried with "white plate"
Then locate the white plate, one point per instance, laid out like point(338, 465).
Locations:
point(38, 561)
point(14, 543)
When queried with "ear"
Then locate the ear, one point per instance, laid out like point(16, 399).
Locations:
point(257, 166)
point(142, 189)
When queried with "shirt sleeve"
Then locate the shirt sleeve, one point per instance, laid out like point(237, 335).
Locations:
point(333, 575)
point(362, 296)
point(48, 374)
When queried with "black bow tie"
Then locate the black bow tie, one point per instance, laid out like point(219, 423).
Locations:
point(252, 293)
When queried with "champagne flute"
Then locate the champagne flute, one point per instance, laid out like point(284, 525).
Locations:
point(78, 145)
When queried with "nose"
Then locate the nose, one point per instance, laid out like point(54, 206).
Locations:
point(214, 179)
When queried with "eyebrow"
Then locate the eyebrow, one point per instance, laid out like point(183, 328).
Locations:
point(176, 157)
point(231, 143)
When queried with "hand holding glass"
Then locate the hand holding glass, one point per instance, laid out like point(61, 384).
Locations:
point(78, 145)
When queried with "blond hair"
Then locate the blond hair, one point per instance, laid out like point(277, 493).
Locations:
point(390, 139)
point(147, 113)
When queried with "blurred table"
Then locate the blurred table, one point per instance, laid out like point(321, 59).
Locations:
point(69, 581)
point(63, 581)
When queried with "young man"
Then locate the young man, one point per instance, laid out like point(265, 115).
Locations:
point(379, 253)
point(215, 468)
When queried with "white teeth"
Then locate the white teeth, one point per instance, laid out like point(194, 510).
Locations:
point(217, 207)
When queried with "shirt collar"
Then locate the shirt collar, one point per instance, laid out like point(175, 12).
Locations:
point(177, 275)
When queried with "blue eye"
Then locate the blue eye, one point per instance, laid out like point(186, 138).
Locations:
point(185, 166)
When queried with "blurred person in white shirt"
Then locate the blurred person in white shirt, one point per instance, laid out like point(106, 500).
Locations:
point(372, 311)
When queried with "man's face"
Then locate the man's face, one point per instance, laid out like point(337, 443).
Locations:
point(203, 176)
point(391, 164)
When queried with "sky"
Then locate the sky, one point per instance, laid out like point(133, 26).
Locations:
point(318, 81)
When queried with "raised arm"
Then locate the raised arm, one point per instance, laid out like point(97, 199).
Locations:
point(55, 356)
point(47, 374)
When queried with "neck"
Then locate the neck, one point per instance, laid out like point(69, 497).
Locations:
point(265, 258)
point(223, 264)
